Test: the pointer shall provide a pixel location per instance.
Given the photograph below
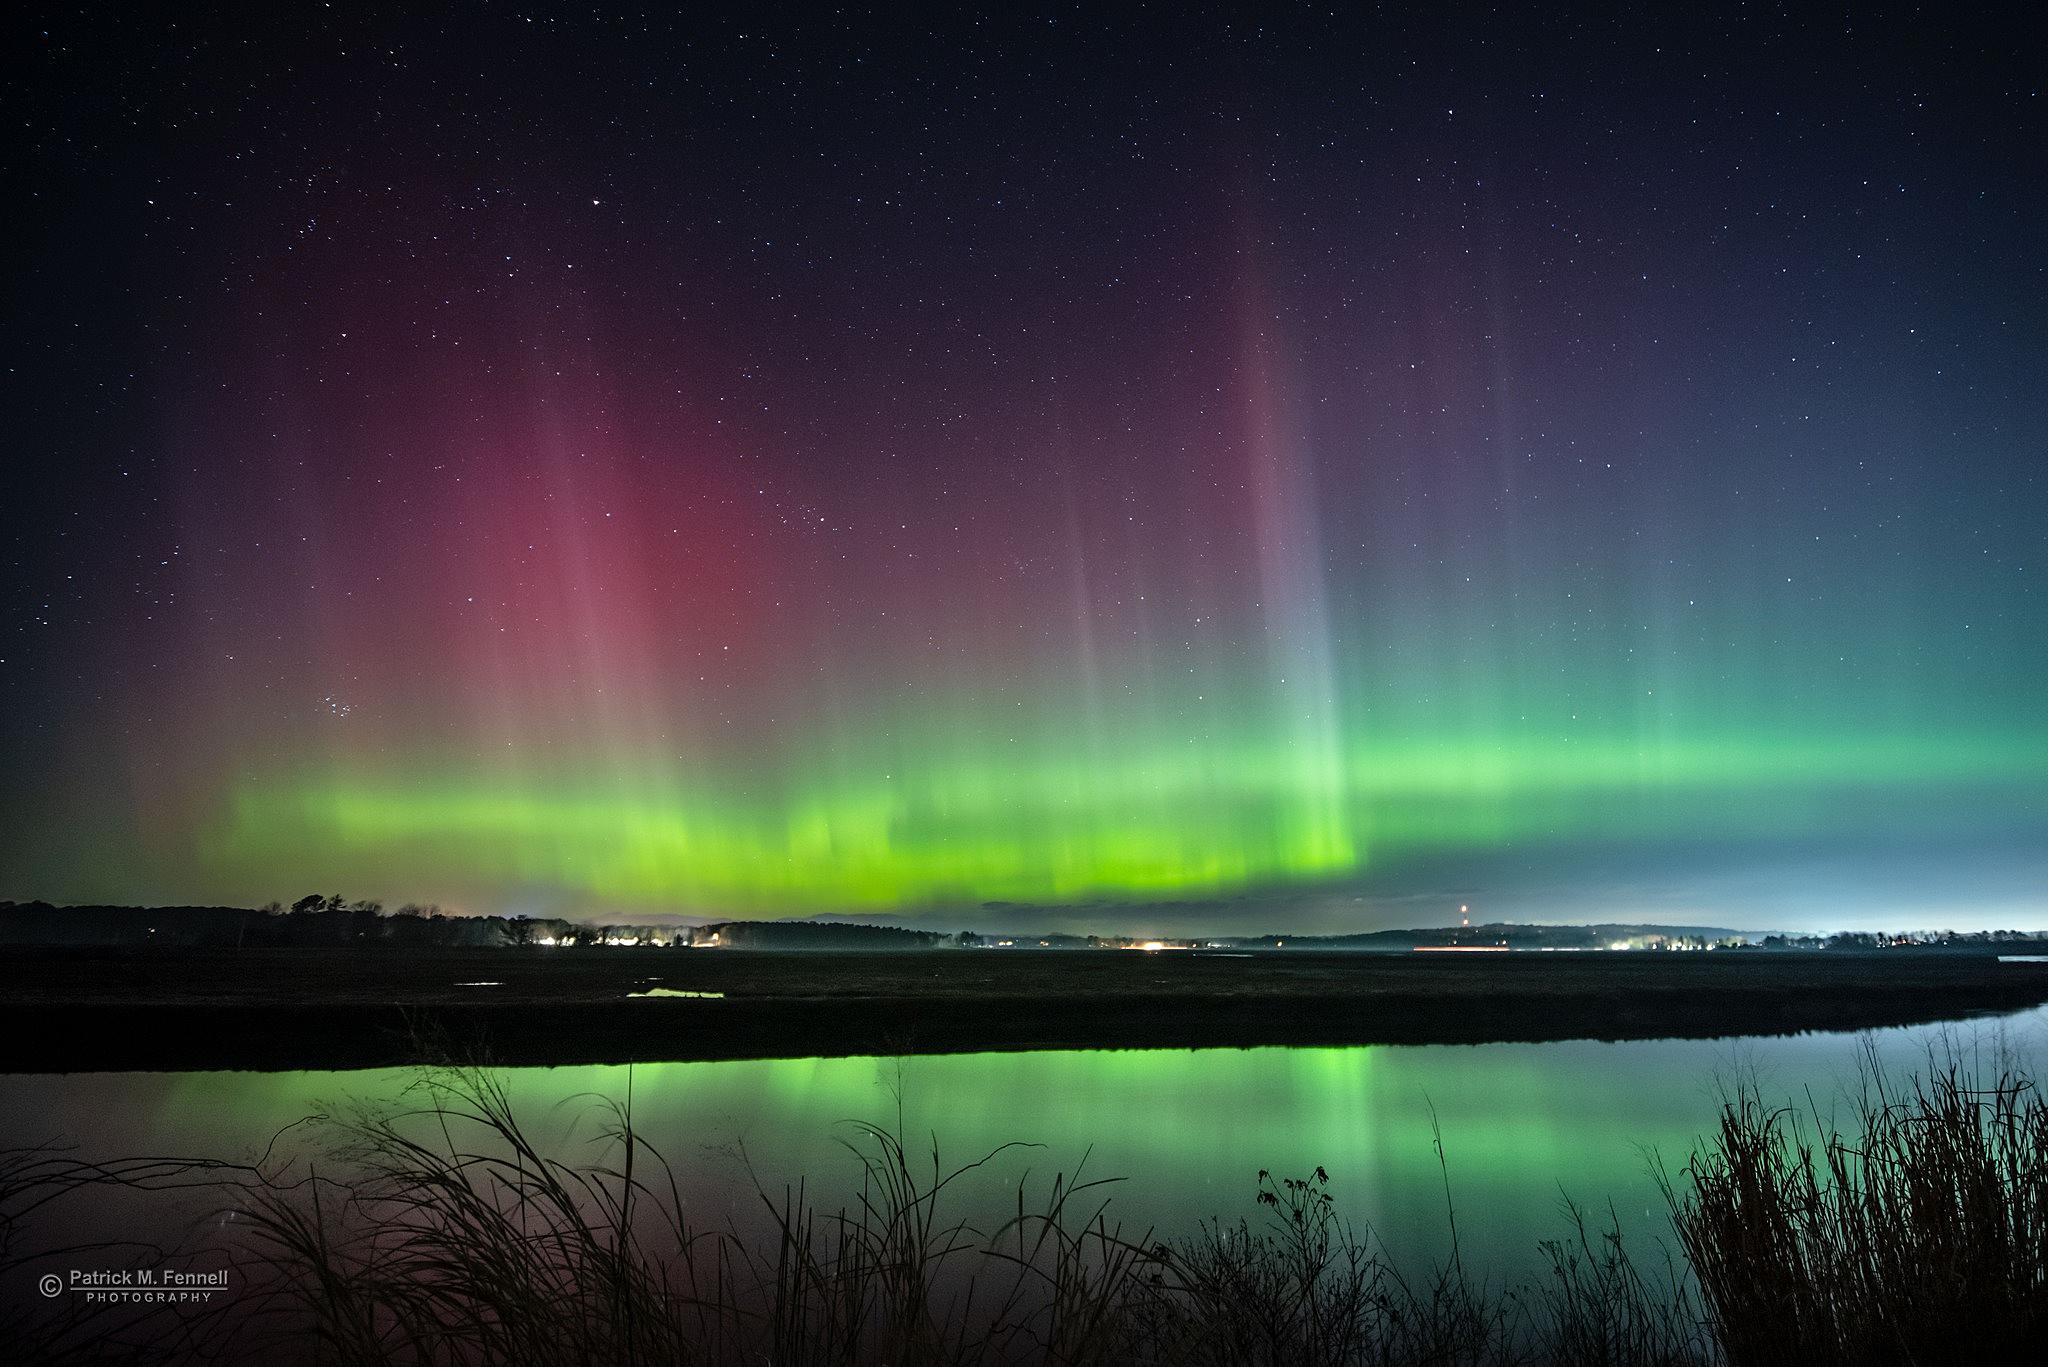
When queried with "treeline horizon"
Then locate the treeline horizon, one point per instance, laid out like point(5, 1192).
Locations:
point(333, 921)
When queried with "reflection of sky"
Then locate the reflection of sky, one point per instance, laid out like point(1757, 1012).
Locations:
point(1522, 1124)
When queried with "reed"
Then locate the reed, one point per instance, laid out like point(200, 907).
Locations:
point(1917, 1233)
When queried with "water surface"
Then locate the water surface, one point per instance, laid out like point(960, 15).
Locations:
point(1523, 1125)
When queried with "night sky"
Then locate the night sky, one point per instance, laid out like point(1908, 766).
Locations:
point(1179, 469)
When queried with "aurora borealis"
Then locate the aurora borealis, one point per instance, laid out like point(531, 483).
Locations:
point(1105, 462)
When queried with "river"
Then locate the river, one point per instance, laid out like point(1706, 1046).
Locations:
point(1523, 1126)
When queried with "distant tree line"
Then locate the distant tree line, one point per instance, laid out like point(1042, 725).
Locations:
point(1919, 939)
point(841, 935)
point(314, 920)
point(330, 920)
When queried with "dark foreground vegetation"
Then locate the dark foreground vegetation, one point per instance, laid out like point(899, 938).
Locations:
point(77, 1009)
point(1915, 1233)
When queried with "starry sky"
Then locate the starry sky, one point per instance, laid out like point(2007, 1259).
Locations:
point(1167, 467)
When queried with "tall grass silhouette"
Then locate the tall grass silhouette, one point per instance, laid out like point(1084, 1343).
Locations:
point(1917, 1233)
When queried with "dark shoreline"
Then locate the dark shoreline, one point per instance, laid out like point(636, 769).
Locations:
point(119, 1010)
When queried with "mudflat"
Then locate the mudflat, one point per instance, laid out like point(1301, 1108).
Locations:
point(106, 1009)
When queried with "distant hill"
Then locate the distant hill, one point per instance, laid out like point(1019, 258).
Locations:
point(1503, 934)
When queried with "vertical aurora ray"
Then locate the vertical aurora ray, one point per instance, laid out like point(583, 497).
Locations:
point(1294, 607)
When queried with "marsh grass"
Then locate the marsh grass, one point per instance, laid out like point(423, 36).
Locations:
point(439, 1232)
point(1916, 1233)
point(1599, 1308)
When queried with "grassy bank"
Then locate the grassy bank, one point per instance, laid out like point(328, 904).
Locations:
point(77, 1010)
point(1913, 1229)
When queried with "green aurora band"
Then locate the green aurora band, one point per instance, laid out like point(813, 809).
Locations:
point(1136, 826)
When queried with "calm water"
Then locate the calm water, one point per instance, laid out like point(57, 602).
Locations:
point(1522, 1125)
